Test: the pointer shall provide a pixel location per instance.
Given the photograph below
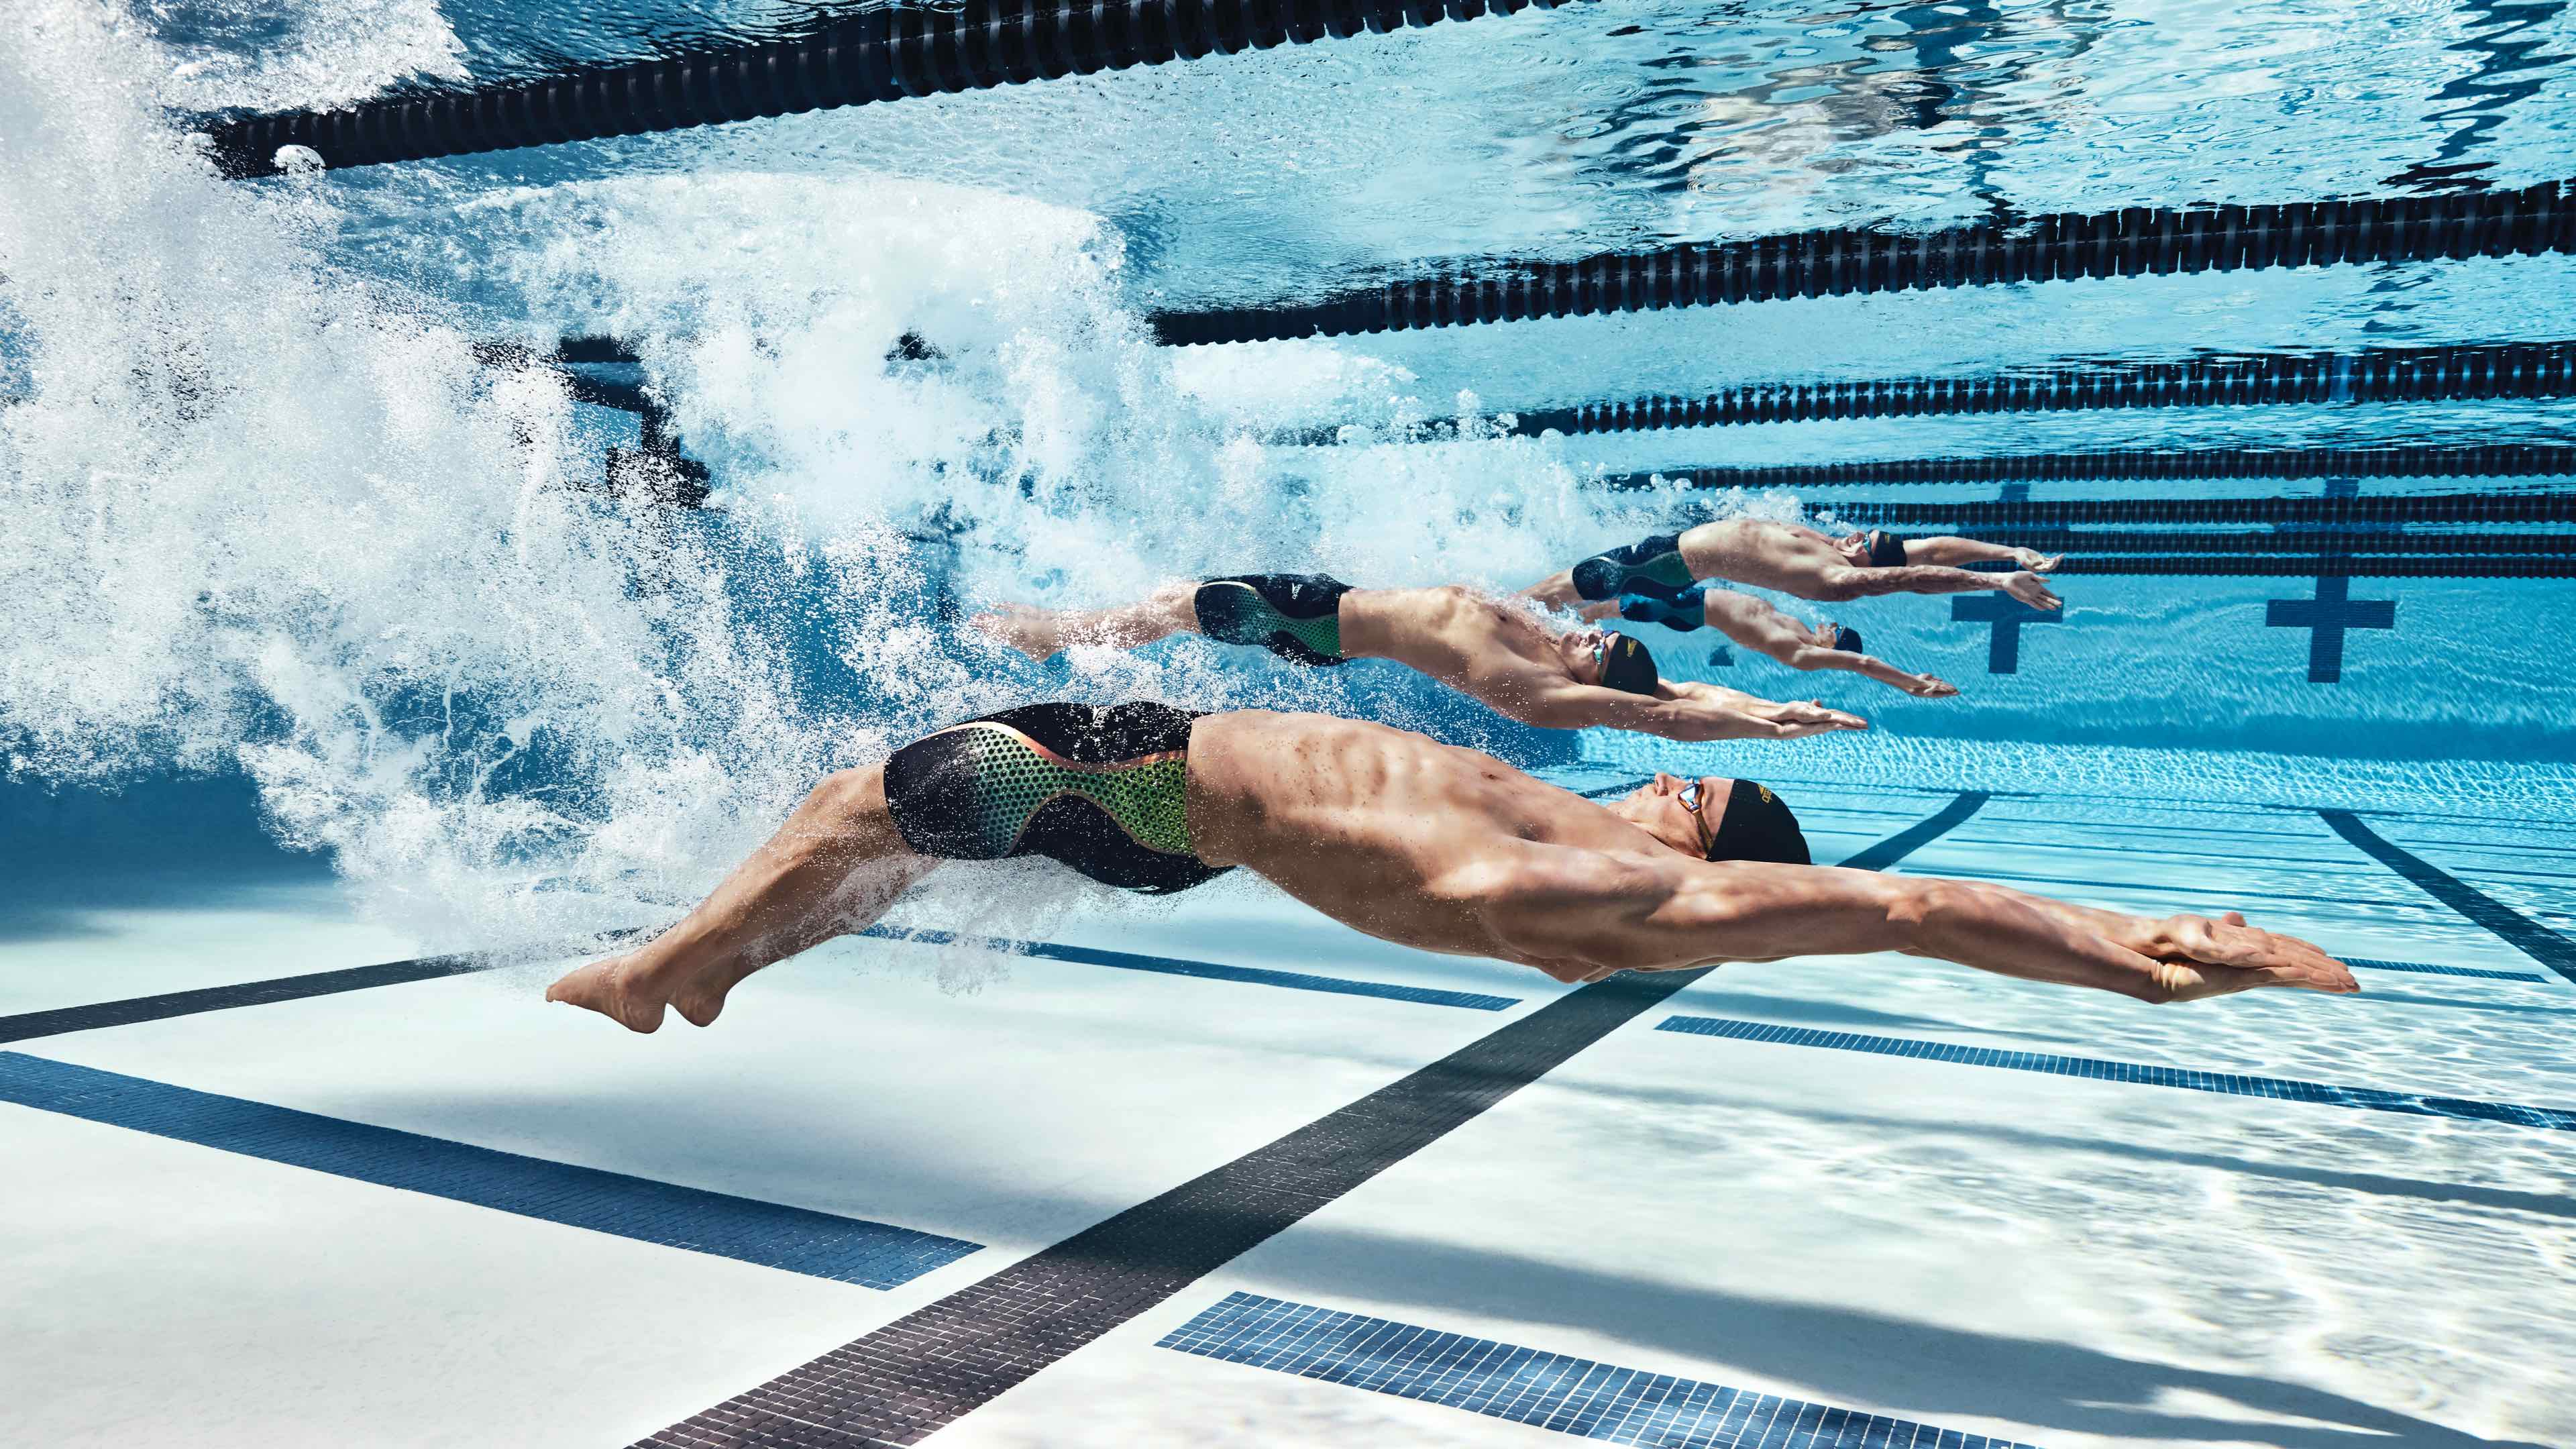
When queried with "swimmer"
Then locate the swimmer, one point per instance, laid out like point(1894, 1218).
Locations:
point(1765, 630)
point(1399, 837)
point(1494, 650)
point(1795, 559)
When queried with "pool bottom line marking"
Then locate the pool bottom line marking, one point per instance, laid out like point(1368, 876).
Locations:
point(132, 1010)
point(2538, 942)
point(773, 1235)
point(1207, 970)
point(2228, 1083)
point(1914, 837)
point(906, 1380)
point(932, 1366)
point(26, 1026)
point(1530, 1386)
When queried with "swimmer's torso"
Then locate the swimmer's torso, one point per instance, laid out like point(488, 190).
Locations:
point(1755, 551)
point(1470, 641)
point(1386, 830)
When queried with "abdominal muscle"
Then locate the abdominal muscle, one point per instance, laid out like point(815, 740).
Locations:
point(1386, 831)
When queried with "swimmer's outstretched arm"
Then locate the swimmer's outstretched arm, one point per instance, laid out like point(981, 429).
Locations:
point(834, 867)
point(1680, 710)
point(1944, 548)
point(1841, 581)
point(1041, 634)
point(1765, 630)
point(1612, 913)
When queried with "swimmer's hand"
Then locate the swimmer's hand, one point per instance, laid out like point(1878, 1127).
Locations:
point(1798, 719)
point(1929, 686)
point(2026, 587)
point(2197, 956)
point(2035, 561)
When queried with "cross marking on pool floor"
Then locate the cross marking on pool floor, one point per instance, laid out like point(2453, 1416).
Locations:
point(2007, 614)
point(2333, 610)
point(2327, 616)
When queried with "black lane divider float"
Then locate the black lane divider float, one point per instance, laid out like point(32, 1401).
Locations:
point(905, 1381)
point(2121, 465)
point(881, 54)
point(2538, 942)
point(2124, 243)
point(2472, 372)
point(2320, 566)
point(2353, 510)
point(2147, 541)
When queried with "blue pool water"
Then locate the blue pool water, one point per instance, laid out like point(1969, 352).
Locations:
point(329, 645)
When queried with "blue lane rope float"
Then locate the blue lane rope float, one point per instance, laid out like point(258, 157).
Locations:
point(2473, 372)
point(2123, 465)
point(2129, 242)
point(882, 54)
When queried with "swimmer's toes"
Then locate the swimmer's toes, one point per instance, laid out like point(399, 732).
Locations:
point(601, 987)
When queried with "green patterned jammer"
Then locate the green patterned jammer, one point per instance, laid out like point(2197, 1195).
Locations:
point(1014, 776)
point(1237, 613)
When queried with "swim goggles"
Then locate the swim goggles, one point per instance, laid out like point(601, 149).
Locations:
point(1689, 797)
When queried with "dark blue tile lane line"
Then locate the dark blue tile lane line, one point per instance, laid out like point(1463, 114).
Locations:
point(2229, 1083)
point(798, 1240)
point(2538, 942)
point(1914, 837)
point(1211, 970)
point(28, 1025)
point(1528, 1386)
point(2427, 969)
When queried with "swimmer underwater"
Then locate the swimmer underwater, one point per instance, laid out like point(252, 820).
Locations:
point(1398, 836)
point(1495, 651)
point(1795, 559)
point(1759, 627)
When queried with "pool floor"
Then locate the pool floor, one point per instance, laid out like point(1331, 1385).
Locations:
point(1816, 1202)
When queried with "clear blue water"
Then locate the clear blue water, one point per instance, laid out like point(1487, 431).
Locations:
point(272, 522)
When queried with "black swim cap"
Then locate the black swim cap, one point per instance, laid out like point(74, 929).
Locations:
point(1847, 638)
point(1886, 550)
point(1628, 665)
point(1757, 825)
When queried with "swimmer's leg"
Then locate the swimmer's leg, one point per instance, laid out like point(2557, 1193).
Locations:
point(1041, 634)
point(834, 867)
point(1652, 568)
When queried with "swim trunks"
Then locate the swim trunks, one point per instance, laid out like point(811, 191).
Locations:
point(1103, 790)
point(1295, 616)
point(1682, 613)
point(1652, 568)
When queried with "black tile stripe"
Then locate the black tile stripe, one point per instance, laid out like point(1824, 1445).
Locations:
point(2536, 941)
point(1914, 837)
point(903, 1382)
point(31, 1024)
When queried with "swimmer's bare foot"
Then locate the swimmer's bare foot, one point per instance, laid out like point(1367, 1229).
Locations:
point(618, 988)
point(1032, 631)
point(702, 1000)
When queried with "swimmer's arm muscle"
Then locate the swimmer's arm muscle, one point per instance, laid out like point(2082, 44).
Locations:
point(1571, 706)
point(1741, 911)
